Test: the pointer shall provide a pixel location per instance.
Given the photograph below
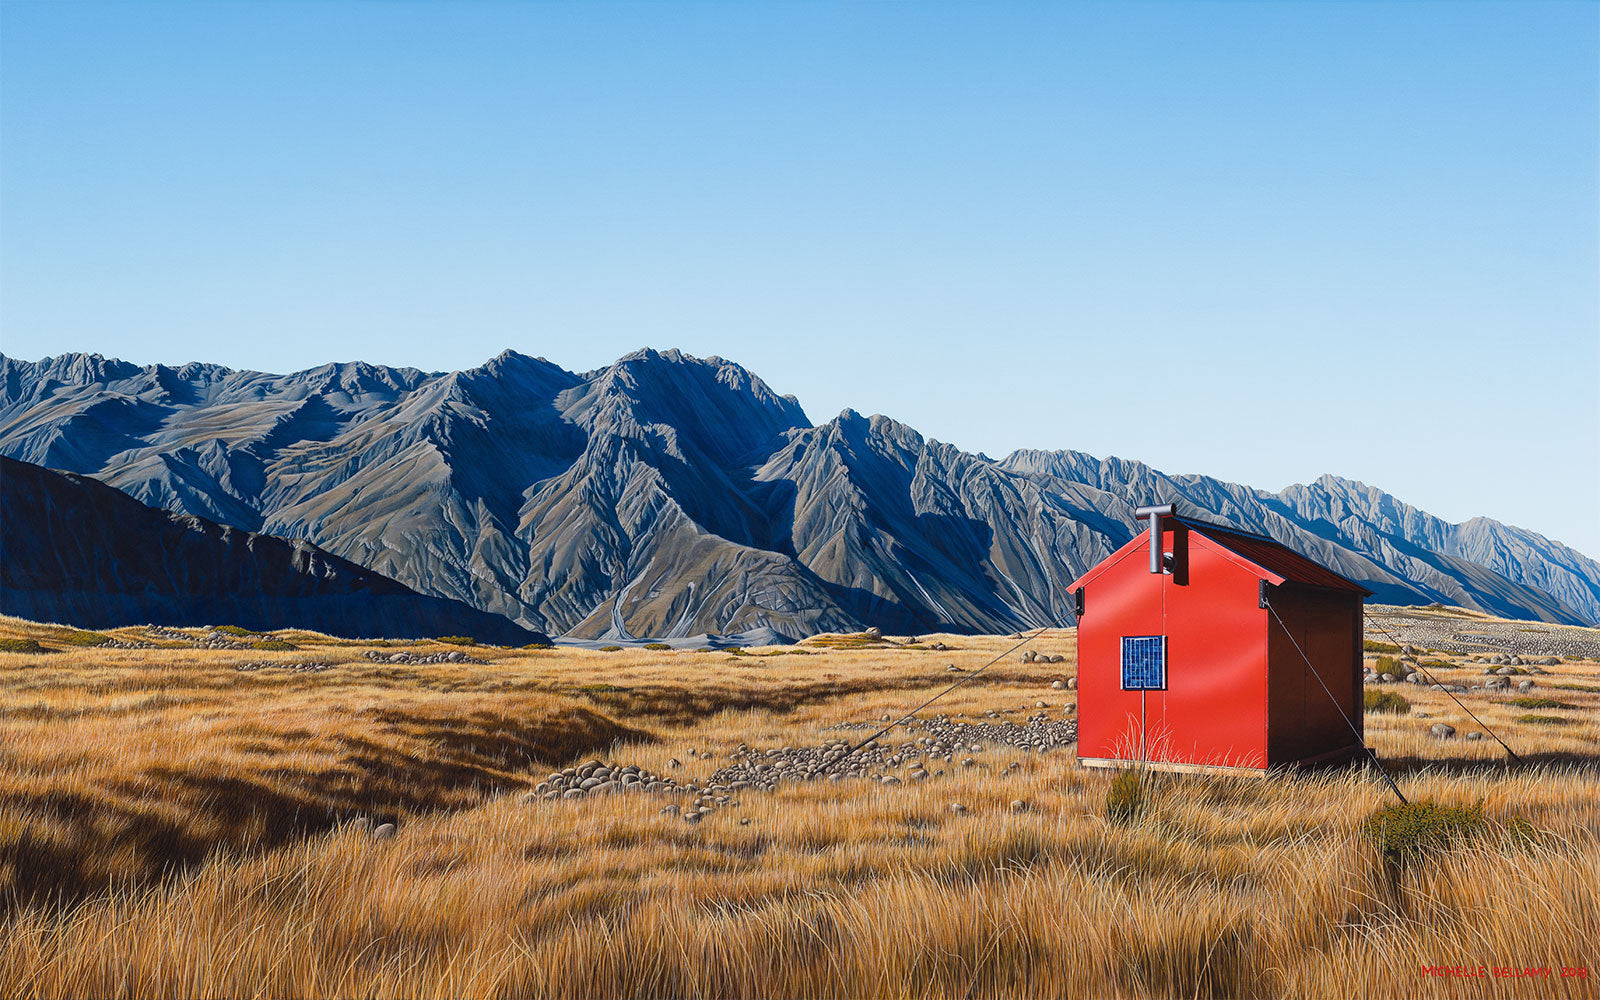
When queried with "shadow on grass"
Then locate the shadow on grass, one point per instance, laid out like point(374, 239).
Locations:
point(62, 844)
point(1504, 764)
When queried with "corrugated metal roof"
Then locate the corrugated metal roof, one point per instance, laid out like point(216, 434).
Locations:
point(1274, 557)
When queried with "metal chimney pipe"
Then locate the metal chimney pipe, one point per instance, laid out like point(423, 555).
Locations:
point(1155, 514)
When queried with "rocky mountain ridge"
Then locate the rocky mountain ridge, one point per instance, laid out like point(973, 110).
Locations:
point(668, 496)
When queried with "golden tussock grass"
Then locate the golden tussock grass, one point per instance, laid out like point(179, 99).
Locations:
point(1224, 887)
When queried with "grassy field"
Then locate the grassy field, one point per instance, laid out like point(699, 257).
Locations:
point(171, 826)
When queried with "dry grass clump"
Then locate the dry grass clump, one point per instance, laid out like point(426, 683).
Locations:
point(1212, 887)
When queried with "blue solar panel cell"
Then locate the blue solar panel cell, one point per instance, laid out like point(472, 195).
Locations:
point(1144, 662)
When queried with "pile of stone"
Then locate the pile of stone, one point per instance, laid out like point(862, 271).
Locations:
point(1512, 660)
point(312, 667)
point(595, 777)
point(124, 644)
point(161, 632)
point(944, 741)
point(453, 656)
point(1039, 733)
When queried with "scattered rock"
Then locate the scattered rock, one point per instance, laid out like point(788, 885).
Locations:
point(873, 633)
point(1058, 685)
point(1018, 805)
point(299, 668)
point(957, 808)
point(385, 831)
point(453, 656)
point(1442, 731)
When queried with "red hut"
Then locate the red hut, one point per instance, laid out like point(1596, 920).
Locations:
point(1183, 664)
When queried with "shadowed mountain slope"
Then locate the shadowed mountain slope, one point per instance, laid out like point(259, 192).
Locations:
point(78, 551)
point(667, 496)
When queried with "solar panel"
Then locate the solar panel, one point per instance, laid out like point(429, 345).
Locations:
point(1144, 662)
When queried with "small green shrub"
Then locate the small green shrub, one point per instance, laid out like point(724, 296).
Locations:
point(1438, 665)
point(1391, 702)
point(1406, 832)
point(1577, 687)
point(1544, 720)
point(610, 649)
point(274, 645)
point(79, 637)
point(1387, 665)
point(458, 640)
point(1519, 832)
point(21, 646)
point(233, 630)
point(600, 688)
point(1539, 703)
point(1369, 646)
point(735, 651)
point(1125, 799)
point(538, 645)
point(658, 646)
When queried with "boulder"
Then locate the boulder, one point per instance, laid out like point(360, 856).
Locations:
point(1442, 731)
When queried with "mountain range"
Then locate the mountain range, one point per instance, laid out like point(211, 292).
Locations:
point(668, 496)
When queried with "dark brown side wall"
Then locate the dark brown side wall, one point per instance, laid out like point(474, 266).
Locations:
point(1306, 718)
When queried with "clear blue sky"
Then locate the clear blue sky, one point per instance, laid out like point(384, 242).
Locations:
point(1261, 241)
